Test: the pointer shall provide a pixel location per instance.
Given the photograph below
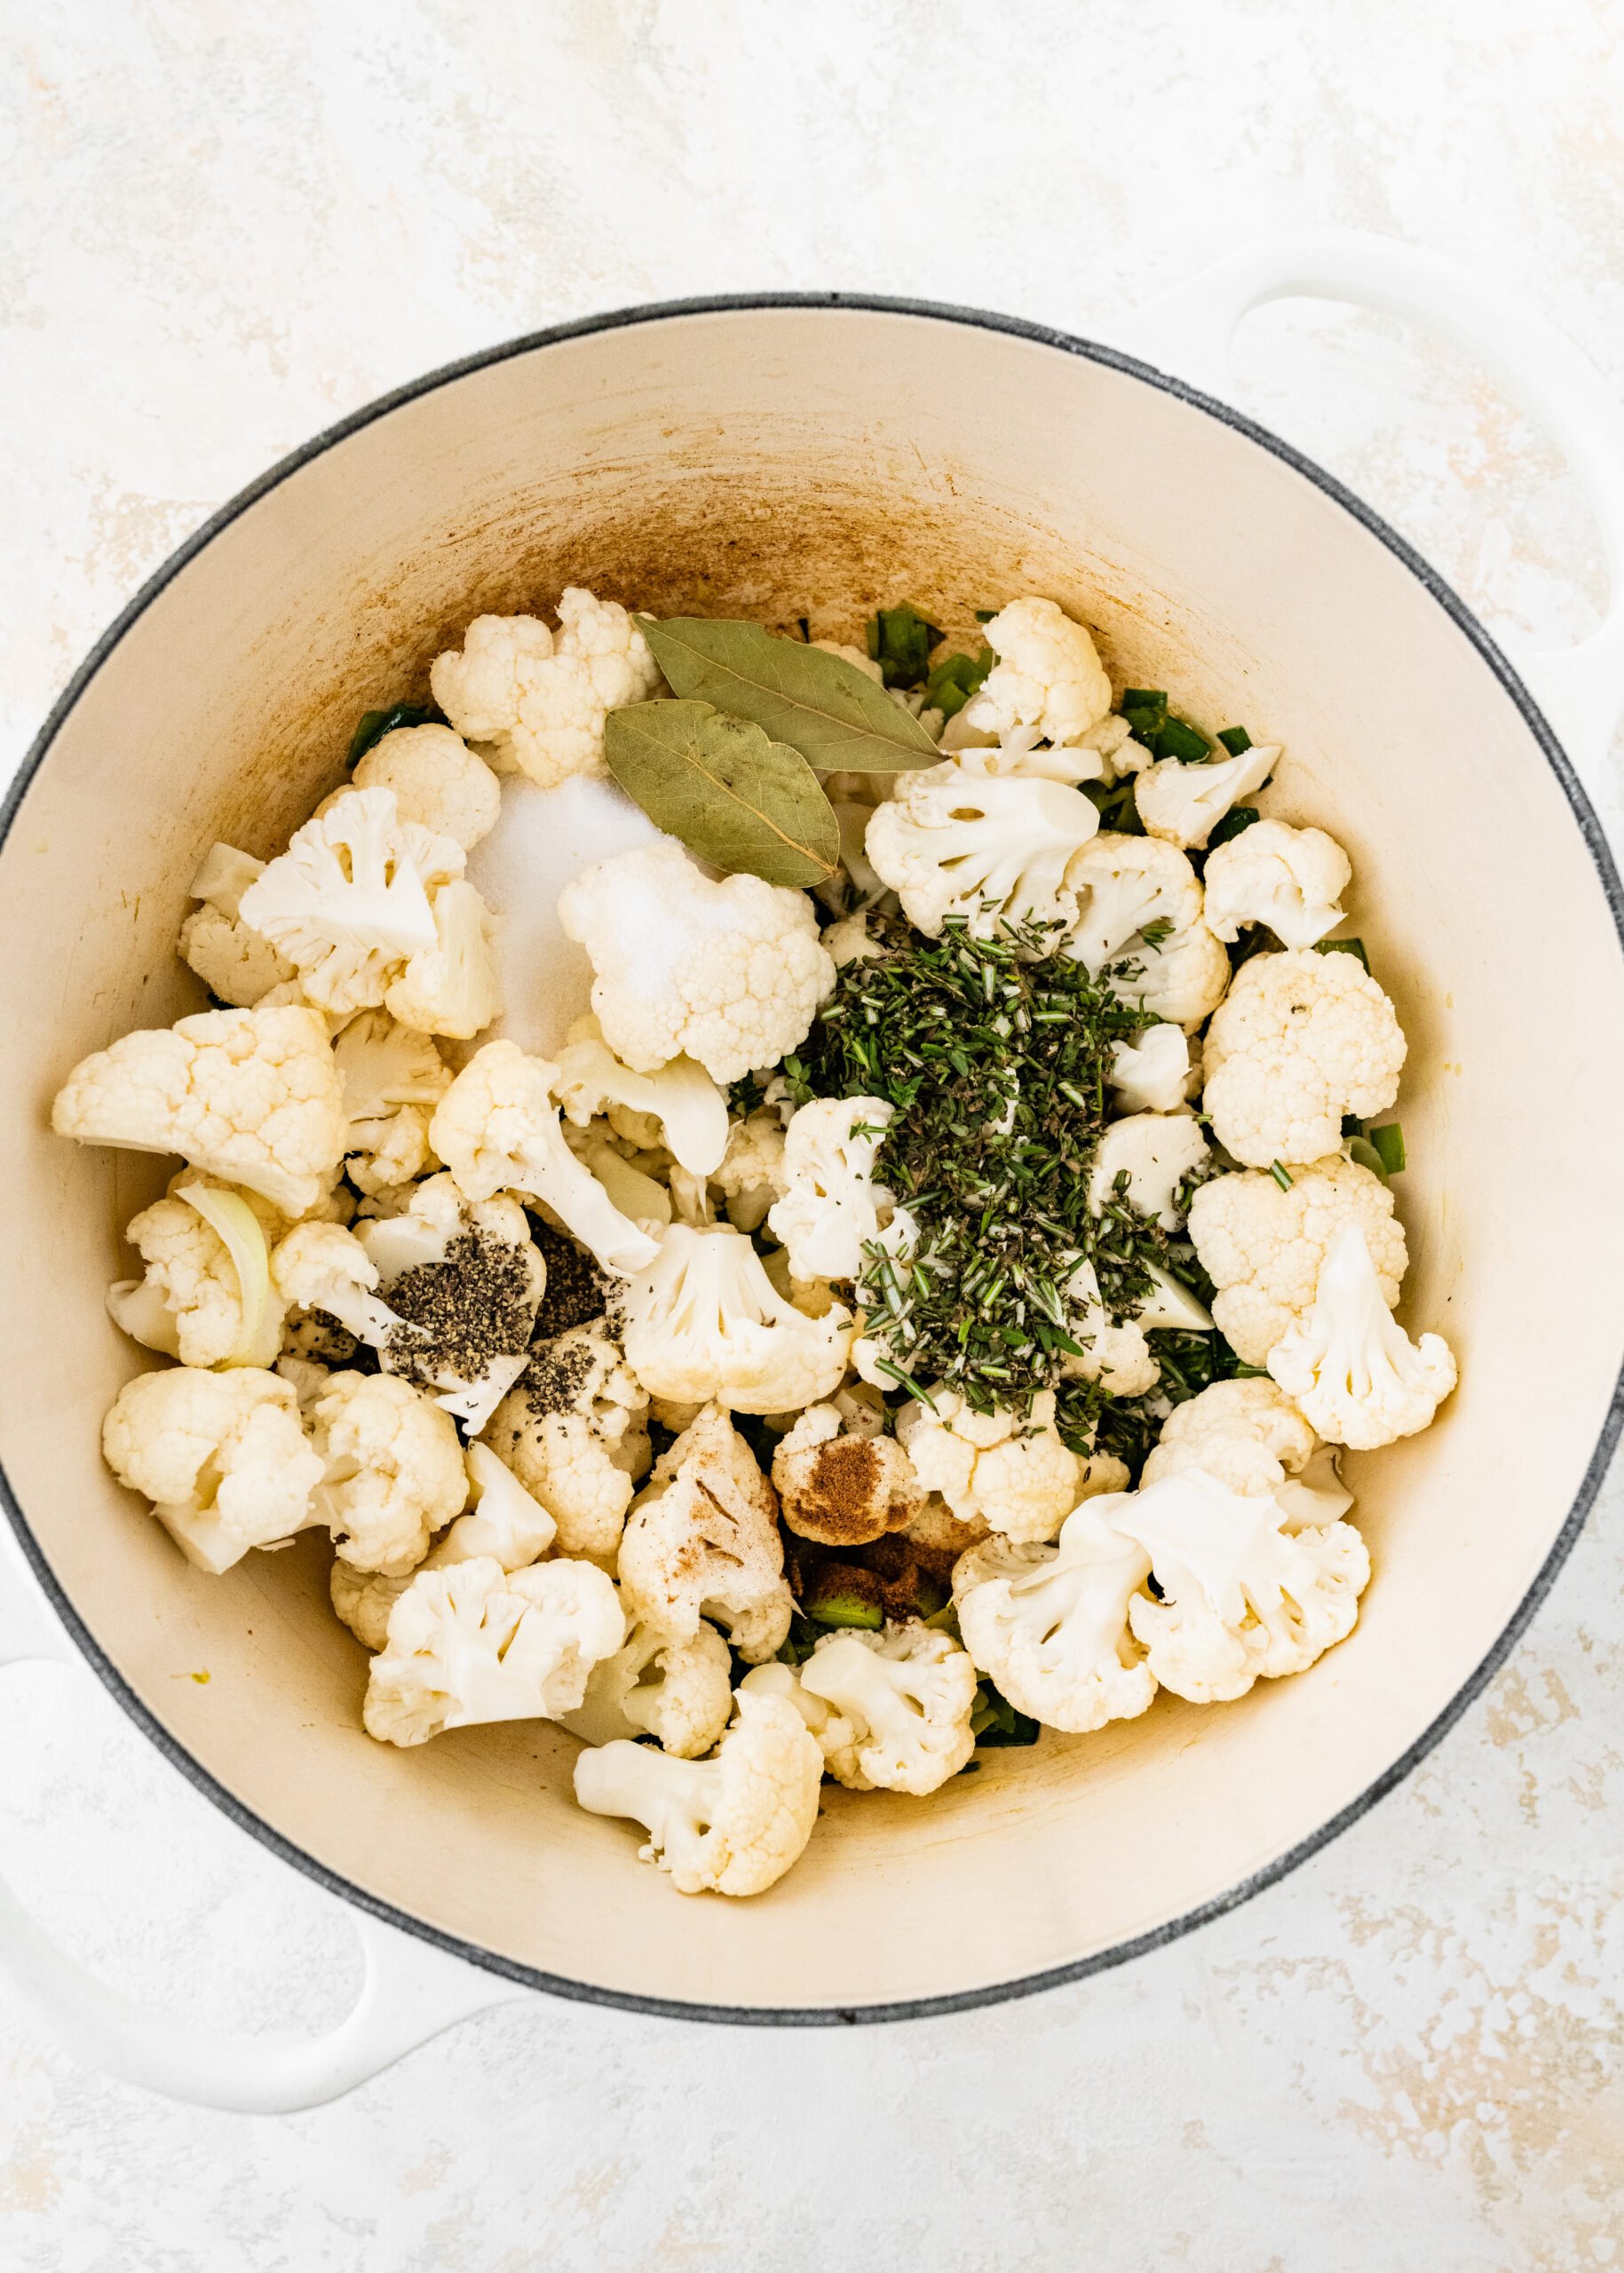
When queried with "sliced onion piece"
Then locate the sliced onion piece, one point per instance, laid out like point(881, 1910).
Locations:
point(229, 1214)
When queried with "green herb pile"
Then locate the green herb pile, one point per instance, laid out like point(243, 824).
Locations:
point(996, 1055)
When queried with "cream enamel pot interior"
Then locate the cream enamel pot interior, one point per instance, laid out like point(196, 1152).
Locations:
point(765, 459)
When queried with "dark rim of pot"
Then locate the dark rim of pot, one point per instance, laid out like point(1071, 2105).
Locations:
point(1459, 613)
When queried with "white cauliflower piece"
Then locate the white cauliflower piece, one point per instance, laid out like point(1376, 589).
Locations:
point(962, 839)
point(1151, 1073)
point(205, 1297)
point(678, 1105)
point(1250, 1437)
point(840, 1481)
point(1011, 1468)
point(473, 1644)
point(1352, 1367)
point(1116, 1352)
point(1185, 803)
point(233, 961)
point(1182, 979)
point(752, 1176)
point(392, 1078)
point(730, 974)
point(574, 1431)
point(733, 1824)
point(1263, 1246)
point(393, 1469)
point(702, 1542)
point(248, 1097)
point(222, 1457)
point(438, 781)
point(542, 698)
point(1122, 885)
point(1291, 879)
point(1153, 1152)
point(832, 1208)
point(1303, 1038)
point(1243, 1598)
point(858, 658)
point(1048, 1625)
point(497, 1129)
point(680, 1693)
point(1047, 677)
point(350, 900)
point(453, 987)
point(705, 1322)
point(905, 1697)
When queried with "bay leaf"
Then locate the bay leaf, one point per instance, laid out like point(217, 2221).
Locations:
point(819, 704)
point(731, 793)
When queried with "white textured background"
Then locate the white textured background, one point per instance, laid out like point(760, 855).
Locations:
point(225, 225)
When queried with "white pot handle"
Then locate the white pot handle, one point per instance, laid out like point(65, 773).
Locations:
point(410, 1992)
point(1190, 329)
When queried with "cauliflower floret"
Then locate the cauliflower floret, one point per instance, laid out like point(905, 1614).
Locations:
point(752, 1176)
point(905, 1697)
point(221, 1456)
point(1185, 803)
point(1047, 677)
point(392, 1078)
point(1263, 1246)
point(679, 1106)
point(1183, 979)
point(453, 987)
point(233, 961)
point(702, 1542)
point(1121, 884)
point(438, 781)
point(249, 1097)
point(850, 940)
point(350, 900)
point(1288, 878)
point(731, 1825)
point(840, 1481)
point(206, 1295)
point(1155, 1152)
point(497, 1129)
point(1352, 1367)
point(1115, 1351)
point(1242, 1596)
point(857, 657)
point(503, 1523)
point(730, 974)
point(704, 1321)
point(1050, 1624)
point(574, 1431)
point(475, 1644)
point(832, 1209)
point(1151, 1073)
point(392, 1468)
point(964, 839)
point(542, 698)
point(1250, 1437)
point(680, 1693)
point(1010, 1468)
point(1303, 1038)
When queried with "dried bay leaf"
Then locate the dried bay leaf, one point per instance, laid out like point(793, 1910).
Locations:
point(821, 705)
point(721, 784)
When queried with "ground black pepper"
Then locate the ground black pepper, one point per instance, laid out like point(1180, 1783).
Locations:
point(576, 1289)
point(473, 1307)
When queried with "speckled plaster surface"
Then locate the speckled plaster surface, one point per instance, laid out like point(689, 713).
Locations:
point(226, 225)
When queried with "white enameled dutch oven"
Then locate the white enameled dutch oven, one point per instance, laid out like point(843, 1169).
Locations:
point(763, 457)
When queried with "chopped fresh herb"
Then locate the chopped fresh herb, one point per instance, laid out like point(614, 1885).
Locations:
point(1180, 740)
point(1364, 1154)
point(375, 724)
point(1345, 947)
point(1237, 819)
point(1235, 740)
point(1157, 933)
point(995, 1054)
point(1388, 1144)
point(836, 1608)
point(1119, 809)
point(1145, 710)
point(996, 1720)
point(1282, 1175)
point(954, 680)
point(800, 1642)
point(900, 640)
point(1134, 697)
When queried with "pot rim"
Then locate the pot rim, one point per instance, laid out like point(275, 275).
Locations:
point(1584, 815)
